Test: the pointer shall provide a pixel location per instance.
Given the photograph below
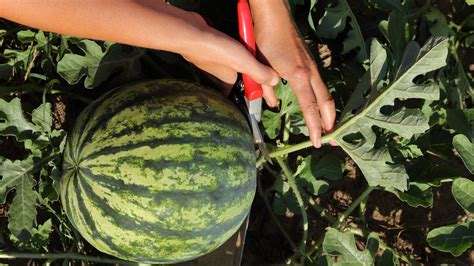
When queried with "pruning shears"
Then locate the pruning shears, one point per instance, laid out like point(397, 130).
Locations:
point(253, 92)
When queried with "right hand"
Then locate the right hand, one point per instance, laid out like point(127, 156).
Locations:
point(223, 57)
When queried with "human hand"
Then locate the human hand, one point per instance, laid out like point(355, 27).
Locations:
point(223, 57)
point(281, 47)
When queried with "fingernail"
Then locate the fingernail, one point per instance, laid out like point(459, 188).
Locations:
point(275, 81)
point(274, 104)
point(317, 144)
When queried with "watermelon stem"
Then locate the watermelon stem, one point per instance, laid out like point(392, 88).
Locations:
point(292, 182)
point(292, 148)
point(354, 205)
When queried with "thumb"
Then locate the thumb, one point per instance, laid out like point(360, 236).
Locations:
point(259, 72)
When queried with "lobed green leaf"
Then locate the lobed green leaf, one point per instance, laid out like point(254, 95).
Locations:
point(288, 107)
point(356, 136)
point(343, 245)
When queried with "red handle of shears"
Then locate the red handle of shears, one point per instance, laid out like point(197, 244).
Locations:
point(252, 89)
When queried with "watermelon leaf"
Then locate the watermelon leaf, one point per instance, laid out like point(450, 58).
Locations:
point(12, 173)
point(42, 117)
point(402, 7)
point(455, 239)
point(334, 22)
point(328, 166)
point(463, 192)
point(19, 175)
point(306, 179)
point(288, 106)
point(398, 31)
point(465, 148)
point(2, 34)
point(97, 64)
point(22, 212)
point(418, 195)
point(39, 237)
point(343, 245)
point(14, 123)
point(378, 63)
point(355, 134)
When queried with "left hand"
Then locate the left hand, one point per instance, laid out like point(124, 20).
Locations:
point(281, 47)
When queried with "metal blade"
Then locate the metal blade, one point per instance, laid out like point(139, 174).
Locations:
point(257, 135)
point(255, 108)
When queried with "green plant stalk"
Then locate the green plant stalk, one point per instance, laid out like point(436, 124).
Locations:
point(275, 219)
point(322, 212)
point(354, 205)
point(362, 208)
point(61, 256)
point(42, 162)
point(292, 182)
point(292, 148)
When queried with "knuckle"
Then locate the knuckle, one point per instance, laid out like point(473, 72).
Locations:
point(301, 73)
point(327, 98)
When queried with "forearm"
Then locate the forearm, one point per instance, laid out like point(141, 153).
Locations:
point(275, 15)
point(146, 23)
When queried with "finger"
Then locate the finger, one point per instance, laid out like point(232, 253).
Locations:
point(269, 96)
point(309, 106)
point(233, 54)
point(259, 72)
point(327, 107)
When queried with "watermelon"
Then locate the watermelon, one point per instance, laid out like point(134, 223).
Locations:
point(161, 171)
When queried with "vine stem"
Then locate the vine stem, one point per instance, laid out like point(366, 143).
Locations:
point(272, 214)
point(60, 256)
point(292, 148)
point(299, 199)
point(322, 212)
point(354, 205)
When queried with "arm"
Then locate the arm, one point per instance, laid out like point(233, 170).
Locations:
point(146, 23)
point(281, 47)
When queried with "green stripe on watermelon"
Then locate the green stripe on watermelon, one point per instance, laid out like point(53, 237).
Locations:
point(162, 129)
point(153, 101)
point(128, 167)
point(182, 225)
point(151, 142)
